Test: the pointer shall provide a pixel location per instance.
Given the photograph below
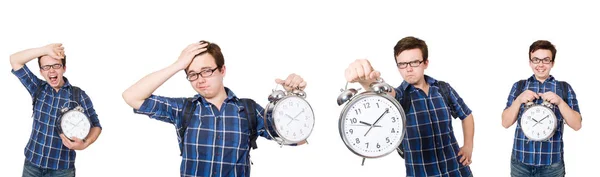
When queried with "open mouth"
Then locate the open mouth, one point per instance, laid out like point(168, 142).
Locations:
point(53, 79)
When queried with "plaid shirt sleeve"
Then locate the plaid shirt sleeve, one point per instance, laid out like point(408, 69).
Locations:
point(458, 106)
point(28, 79)
point(511, 96)
point(89, 109)
point(162, 108)
point(572, 99)
point(260, 123)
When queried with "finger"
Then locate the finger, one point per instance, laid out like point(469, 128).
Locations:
point(360, 74)
point(375, 75)
point(66, 141)
point(367, 69)
point(279, 81)
point(302, 85)
point(288, 80)
point(196, 51)
point(296, 82)
point(348, 75)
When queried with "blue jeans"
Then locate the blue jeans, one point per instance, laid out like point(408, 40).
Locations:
point(518, 169)
point(30, 170)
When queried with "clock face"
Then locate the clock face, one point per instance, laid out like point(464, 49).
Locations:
point(538, 123)
point(293, 118)
point(372, 125)
point(75, 124)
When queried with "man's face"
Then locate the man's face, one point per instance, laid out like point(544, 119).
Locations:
point(52, 70)
point(407, 62)
point(541, 63)
point(208, 79)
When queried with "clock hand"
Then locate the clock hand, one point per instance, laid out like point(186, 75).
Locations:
point(386, 111)
point(364, 125)
point(544, 117)
point(299, 113)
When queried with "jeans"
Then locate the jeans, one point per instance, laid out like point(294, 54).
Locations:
point(30, 170)
point(518, 169)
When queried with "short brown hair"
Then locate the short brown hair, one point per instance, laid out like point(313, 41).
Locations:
point(215, 51)
point(542, 44)
point(64, 61)
point(408, 43)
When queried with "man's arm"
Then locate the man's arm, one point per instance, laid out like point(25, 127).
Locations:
point(135, 95)
point(19, 59)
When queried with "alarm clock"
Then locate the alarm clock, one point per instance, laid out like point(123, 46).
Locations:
point(538, 121)
point(74, 122)
point(289, 117)
point(372, 123)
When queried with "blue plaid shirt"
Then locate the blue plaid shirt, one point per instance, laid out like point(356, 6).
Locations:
point(45, 148)
point(429, 144)
point(546, 152)
point(216, 142)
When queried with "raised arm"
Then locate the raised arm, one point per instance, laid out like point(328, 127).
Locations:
point(19, 59)
point(135, 95)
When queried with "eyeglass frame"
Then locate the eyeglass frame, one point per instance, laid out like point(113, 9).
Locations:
point(536, 60)
point(54, 66)
point(207, 73)
point(414, 63)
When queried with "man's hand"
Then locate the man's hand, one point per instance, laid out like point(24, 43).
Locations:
point(293, 82)
point(56, 51)
point(465, 155)
point(77, 143)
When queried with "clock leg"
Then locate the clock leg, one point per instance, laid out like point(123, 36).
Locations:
point(363, 162)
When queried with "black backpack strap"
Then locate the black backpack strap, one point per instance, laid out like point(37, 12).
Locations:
point(519, 89)
point(76, 94)
point(188, 112)
point(445, 91)
point(405, 103)
point(37, 92)
point(565, 90)
point(251, 112)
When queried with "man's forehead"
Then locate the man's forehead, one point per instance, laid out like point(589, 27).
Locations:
point(48, 60)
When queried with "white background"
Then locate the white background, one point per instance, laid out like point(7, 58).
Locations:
point(479, 48)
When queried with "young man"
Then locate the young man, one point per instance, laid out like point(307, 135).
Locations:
point(216, 142)
point(429, 145)
point(47, 153)
point(541, 158)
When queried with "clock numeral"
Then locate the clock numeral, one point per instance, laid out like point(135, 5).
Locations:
point(378, 146)
point(537, 110)
point(351, 131)
point(294, 134)
point(393, 131)
point(387, 139)
point(393, 119)
point(377, 105)
point(284, 106)
point(291, 104)
point(367, 105)
point(353, 120)
point(367, 145)
point(357, 111)
point(358, 141)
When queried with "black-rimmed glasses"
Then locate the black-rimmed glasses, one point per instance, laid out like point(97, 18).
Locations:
point(192, 76)
point(415, 63)
point(55, 66)
point(546, 60)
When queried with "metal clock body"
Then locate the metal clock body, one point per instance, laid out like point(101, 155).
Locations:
point(74, 123)
point(289, 118)
point(372, 124)
point(538, 121)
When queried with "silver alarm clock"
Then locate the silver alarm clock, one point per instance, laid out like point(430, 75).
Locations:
point(289, 118)
point(74, 122)
point(538, 121)
point(372, 124)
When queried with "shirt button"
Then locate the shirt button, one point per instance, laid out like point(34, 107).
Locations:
point(218, 136)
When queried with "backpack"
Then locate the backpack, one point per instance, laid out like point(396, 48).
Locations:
point(444, 91)
point(189, 107)
point(561, 84)
point(75, 96)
